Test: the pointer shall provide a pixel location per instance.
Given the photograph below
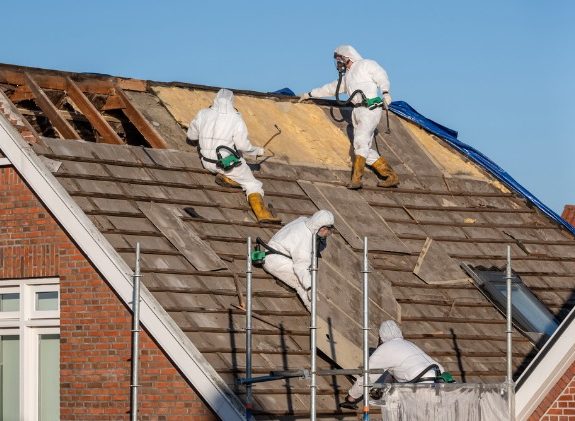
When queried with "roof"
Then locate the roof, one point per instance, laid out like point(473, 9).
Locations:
point(136, 190)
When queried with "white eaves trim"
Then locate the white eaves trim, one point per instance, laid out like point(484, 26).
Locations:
point(545, 370)
point(114, 269)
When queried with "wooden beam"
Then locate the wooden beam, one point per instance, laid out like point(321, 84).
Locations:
point(113, 102)
point(59, 123)
point(21, 93)
point(92, 114)
point(13, 75)
point(140, 122)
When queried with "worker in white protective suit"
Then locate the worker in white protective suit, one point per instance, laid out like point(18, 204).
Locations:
point(221, 129)
point(404, 360)
point(367, 76)
point(294, 244)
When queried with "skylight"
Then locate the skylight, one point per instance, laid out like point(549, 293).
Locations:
point(529, 314)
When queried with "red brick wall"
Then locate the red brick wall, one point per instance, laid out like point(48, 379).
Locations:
point(95, 325)
point(559, 404)
point(569, 214)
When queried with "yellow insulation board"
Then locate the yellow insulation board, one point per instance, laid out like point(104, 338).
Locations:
point(307, 136)
point(451, 162)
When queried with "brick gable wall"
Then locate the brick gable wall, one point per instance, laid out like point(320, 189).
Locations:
point(559, 404)
point(95, 326)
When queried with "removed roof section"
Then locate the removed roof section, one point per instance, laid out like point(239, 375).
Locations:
point(307, 135)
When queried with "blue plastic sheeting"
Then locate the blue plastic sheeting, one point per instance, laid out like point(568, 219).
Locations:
point(283, 91)
point(403, 109)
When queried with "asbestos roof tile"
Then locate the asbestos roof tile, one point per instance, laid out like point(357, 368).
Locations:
point(142, 155)
point(116, 240)
point(117, 153)
point(471, 186)
point(101, 222)
point(96, 186)
point(82, 168)
point(167, 176)
point(115, 205)
point(135, 224)
point(173, 159)
point(73, 149)
point(131, 173)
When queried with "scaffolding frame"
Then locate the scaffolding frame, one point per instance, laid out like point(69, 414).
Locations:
point(312, 374)
point(135, 338)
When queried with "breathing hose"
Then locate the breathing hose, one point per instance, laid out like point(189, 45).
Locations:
point(364, 99)
point(353, 94)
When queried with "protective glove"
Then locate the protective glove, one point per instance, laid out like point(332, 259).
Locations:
point(304, 96)
point(387, 99)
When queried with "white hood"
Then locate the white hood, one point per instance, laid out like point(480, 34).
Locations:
point(319, 219)
point(349, 52)
point(224, 102)
point(389, 330)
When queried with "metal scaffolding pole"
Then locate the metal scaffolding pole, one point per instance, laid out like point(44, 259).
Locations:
point(249, 330)
point(313, 327)
point(135, 336)
point(510, 384)
point(365, 273)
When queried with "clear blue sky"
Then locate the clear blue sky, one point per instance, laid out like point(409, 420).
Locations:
point(500, 72)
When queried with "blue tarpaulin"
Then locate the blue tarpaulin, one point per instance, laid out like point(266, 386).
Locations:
point(404, 110)
point(283, 91)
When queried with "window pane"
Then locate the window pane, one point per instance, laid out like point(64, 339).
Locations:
point(49, 378)
point(10, 302)
point(46, 301)
point(10, 377)
point(541, 319)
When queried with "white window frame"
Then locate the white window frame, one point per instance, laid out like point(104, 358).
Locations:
point(29, 324)
point(10, 315)
point(45, 314)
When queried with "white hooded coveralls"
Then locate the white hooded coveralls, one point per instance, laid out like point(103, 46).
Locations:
point(403, 359)
point(295, 240)
point(368, 76)
point(221, 125)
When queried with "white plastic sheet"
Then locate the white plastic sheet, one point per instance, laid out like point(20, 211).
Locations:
point(443, 401)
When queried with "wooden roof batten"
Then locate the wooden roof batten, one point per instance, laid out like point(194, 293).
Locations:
point(30, 84)
point(91, 113)
point(64, 128)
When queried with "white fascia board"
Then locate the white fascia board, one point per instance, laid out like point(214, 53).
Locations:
point(114, 269)
point(543, 373)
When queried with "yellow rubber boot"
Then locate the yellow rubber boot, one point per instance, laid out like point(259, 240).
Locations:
point(382, 168)
point(357, 173)
point(262, 213)
point(224, 181)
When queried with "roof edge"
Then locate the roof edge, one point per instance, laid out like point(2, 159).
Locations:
point(548, 366)
point(115, 270)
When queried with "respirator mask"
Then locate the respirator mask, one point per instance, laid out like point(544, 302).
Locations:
point(340, 62)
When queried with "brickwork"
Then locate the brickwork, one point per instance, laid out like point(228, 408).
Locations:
point(95, 325)
point(569, 214)
point(559, 404)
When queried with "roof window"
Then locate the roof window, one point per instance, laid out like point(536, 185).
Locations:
point(529, 314)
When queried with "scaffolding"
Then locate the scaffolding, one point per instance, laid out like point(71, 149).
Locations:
point(399, 401)
point(135, 338)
